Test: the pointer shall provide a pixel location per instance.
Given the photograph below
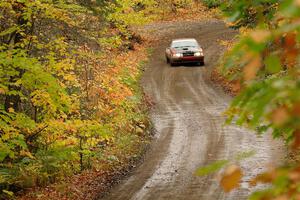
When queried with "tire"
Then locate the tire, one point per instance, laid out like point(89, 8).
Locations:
point(172, 63)
point(201, 63)
point(168, 60)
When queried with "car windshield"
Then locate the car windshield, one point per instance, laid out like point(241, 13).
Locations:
point(184, 43)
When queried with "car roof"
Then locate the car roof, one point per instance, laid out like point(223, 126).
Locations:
point(184, 39)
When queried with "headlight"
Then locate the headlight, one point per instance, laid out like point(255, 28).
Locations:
point(177, 55)
point(198, 54)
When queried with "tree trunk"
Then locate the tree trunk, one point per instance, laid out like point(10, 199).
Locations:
point(14, 100)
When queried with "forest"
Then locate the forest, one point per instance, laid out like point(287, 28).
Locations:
point(71, 103)
point(70, 98)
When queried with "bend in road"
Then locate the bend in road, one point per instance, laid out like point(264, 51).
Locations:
point(189, 124)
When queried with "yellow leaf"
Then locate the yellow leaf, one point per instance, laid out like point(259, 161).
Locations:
point(231, 178)
point(26, 153)
point(11, 110)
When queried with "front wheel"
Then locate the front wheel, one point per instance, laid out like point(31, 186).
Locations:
point(201, 63)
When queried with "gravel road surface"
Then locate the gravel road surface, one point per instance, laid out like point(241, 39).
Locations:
point(189, 125)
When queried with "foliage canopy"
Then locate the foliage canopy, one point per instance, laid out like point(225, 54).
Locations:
point(264, 62)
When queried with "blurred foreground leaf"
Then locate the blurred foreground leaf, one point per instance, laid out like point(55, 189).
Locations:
point(214, 167)
point(231, 178)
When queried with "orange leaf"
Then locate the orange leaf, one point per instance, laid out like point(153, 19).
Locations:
point(294, 176)
point(283, 197)
point(297, 2)
point(251, 69)
point(291, 55)
point(264, 178)
point(280, 116)
point(290, 40)
point(296, 109)
point(231, 178)
point(236, 86)
point(296, 143)
point(260, 35)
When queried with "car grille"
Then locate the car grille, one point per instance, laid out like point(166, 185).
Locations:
point(185, 54)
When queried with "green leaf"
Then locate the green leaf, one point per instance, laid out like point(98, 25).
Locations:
point(3, 155)
point(209, 169)
point(9, 31)
point(244, 155)
point(273, 65)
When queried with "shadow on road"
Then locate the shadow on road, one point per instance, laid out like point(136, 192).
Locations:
point(187, 65)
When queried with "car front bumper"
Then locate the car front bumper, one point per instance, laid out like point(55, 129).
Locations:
point(188, 59)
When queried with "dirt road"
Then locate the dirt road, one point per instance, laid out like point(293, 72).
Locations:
point(189, 125)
